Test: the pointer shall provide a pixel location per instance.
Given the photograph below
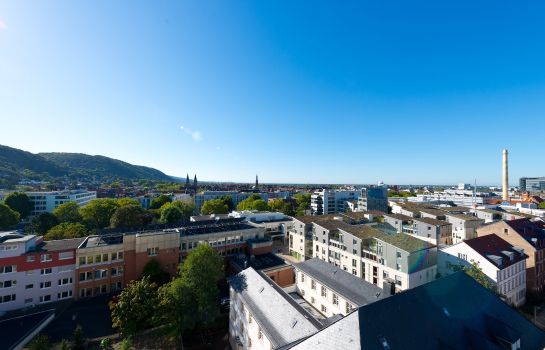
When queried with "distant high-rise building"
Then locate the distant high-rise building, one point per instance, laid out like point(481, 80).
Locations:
point(532, 184)
point(373, 198)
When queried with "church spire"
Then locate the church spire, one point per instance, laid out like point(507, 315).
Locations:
point(195, 182)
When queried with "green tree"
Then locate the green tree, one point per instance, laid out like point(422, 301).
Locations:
point(187, 208)
point(158, 202)
point(19, 202)
point(78, 341)
point(170, 214)
point(127, 201)
point(200, 272)
point(128, 216)
point(155, 273)
point(281, 205)
point(66, 230)
point(254, 202)
point(68, 212)
point(474, 271)
point(177, 308)
point(135, 307)
point(64, 345)
point(43, 223)
point(228, 201)
point(8, 218)
point(41, 342)
point(302, 203)
point(542, 205)
point(260, 205)
point(98, 212)
point(214, 206)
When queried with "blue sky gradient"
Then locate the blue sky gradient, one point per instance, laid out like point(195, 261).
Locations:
point(420, 92)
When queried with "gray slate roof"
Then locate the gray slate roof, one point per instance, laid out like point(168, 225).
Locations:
point(343, 283)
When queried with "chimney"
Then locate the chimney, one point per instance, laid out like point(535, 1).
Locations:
point(388, 287)
point(505, 177)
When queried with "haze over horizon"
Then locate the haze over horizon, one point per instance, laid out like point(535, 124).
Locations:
point(424, 92)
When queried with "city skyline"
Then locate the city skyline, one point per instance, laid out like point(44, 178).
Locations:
point(297, 93)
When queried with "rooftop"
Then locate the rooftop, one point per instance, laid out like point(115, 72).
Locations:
point(496, 250)
point(432, 211)
point(405, 242)
point(431, 221)
point(62, 244)
point(14, 237)
point(464, 217)
point(281, 318)
point(453, 312)
point(400, 217)
point(343, 283)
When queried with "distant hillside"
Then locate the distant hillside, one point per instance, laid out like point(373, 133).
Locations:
point(16, 164)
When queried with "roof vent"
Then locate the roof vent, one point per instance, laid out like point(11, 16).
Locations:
point(293, 323)
point(509, 254)
point(261, 289)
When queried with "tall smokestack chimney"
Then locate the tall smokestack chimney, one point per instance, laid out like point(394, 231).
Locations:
point(505, 178)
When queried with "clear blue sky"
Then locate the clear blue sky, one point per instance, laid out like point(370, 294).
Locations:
point(296, 91)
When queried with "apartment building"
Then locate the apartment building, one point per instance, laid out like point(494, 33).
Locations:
point(376, 257)
point(463, 226)
point(323, 202)
point(275, 224)
point(47, 201)
point(532, 184)
point(35, 272)
point(529, 236)
point(236, 197)
point(373, 198)
point(501, 262)
point(332, 291)
point(229, 236)
point(430, 230)
point(489, 215)
point(263, 316)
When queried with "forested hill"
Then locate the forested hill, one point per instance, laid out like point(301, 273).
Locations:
point(16, 165)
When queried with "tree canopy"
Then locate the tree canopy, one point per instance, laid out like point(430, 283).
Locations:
point(254, 202)
point(542, 205)
point(158, 202)
point(200, 272)
point(302, 203)
point(66, 230)
point(170, 214)
point(127, 201)
point(155, 273)
point(281, 205)
point(474, 271)
point(43, 223)
point(68, 212)
point(19, 202)
point(187, 208)
point(98, 212)
point(128, 216)
point(214, 206)
point(9, 218)
point(135, 307)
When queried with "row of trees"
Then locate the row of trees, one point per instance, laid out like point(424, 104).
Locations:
point(297, 205)
point(189, 300)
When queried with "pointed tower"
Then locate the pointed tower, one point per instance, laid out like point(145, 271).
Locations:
point(195, 182)
point(187, 184)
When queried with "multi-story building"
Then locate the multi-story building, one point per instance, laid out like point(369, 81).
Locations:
point(373, 198)
point(229, 236)
point(489, 215)
point(532, 184)
point(425, 228)
point(376, 257)
point(323, 202)
point(502, 263)
point(262, 316)
point(47, 201)
point(332, 291)
point(236, 197)
point(463, 226)
point(458, 197)
point(34, 272)
point(276, 224)
point(528, 235)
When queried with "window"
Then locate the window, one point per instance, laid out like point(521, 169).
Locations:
point(105, 257)
point(398, 267)
point(302, 277)
point(312, 300)
point(398, 255)
point(90, 260)
point(348, 307)
point(46, 258)
point(46, 271)
point(324, 309)
point(116, 271)
point(101, 274)
point(64, 295)
point(45, 298)
point(82, 260)
point(8, 269)
point(7, 298)
point(28, 301)
point(153, 251)
point(259, 333)
point(335, 299)
point(65, 281)
point(29, 286)
point(462, 256)
point(312, 284)
point(98, 258)
point(30, 258)
point(324, 291)
point(250, 319)
point(44, 285)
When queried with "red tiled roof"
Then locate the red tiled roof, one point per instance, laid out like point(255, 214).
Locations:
point(494, 245)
